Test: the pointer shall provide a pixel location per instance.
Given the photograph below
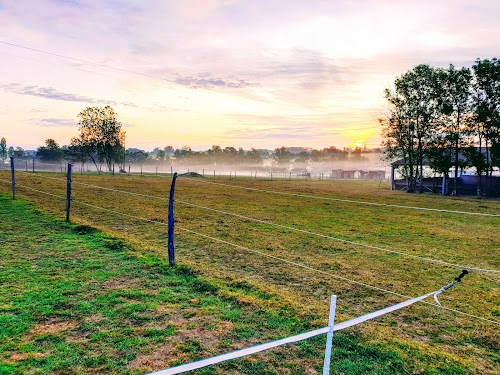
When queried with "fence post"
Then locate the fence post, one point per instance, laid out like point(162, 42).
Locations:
point(33, 165)
point(214, 174)
point(141, 170)
point(13, 177)
point(203, 172)
point(171, 252)
point(113, 169)
point(157, 170)
point(329, 337)
point(68, 192)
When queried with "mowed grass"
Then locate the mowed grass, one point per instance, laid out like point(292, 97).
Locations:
point(415, 334)
point(73, 300)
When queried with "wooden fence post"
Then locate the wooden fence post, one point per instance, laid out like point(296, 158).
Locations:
point(68, 192)
point(171, 252)
point(13, 177)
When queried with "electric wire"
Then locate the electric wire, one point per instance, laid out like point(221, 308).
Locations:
point(257, 252)
point(344, 200)
point(281, 226)
point(173, 81)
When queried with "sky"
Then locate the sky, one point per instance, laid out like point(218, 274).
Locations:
point(260, 74)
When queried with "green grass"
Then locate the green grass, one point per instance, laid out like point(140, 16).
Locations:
point(420, 339)
point(75, 301)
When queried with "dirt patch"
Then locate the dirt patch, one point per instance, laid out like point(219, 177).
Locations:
point(23, 356)
point(119, 282)
point(158, 359)
point(53, 327)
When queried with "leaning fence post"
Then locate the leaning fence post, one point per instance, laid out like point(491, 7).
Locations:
point(171, 253)
point(13, 177)
point(329, 336)
point(68, 192)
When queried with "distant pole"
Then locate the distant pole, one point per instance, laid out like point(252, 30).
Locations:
point(214, 174)
point(255, 174)
point(68, 192)
point(157, 170)
point(26, 163)
point(33, 165)
point(141, 170)
point(129, 169)
point(392, 177)
point(230, 174)
point(171, 174)
point(171, 252)
point(13, 177)
point(329, 337)
point(113, 169)
point(203, 172)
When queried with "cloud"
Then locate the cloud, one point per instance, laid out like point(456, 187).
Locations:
point(50, 122)
point(204, 80)
point(51, 93)
point(283, 127)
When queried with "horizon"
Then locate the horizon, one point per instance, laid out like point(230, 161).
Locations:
point(201, 73)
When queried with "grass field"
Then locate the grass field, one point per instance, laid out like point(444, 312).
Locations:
point(424, 338)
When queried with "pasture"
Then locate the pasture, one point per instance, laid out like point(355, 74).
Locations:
point(426, 338)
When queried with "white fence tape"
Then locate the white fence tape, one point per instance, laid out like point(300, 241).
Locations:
point(303, 336)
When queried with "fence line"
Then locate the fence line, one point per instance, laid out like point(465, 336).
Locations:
point(346, 200)
point(323, 198)
point(287, 227)
point(261, 253)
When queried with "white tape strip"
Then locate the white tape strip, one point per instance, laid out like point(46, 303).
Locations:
point(241, 353)
point(303, 336)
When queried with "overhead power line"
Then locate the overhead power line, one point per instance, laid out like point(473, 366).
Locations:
point(155, 77)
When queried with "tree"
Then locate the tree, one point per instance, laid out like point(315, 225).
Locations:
point(419, 91)
point(101, 136)
point(3, 150)
point(19, 153)
point(398, 132)
point(50, 152)
point(454, 97)
point(487, 109)
point(160, 155)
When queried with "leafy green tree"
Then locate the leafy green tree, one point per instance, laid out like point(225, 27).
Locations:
point(399, 139)
point(160, 155)
point(50, 152)
point(19, 153)
point(454, 96)
point(3, 150)
point(101, 136)
point(487, 109)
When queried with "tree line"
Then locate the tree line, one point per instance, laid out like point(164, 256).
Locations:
point(447, 119)
point(101, 139)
